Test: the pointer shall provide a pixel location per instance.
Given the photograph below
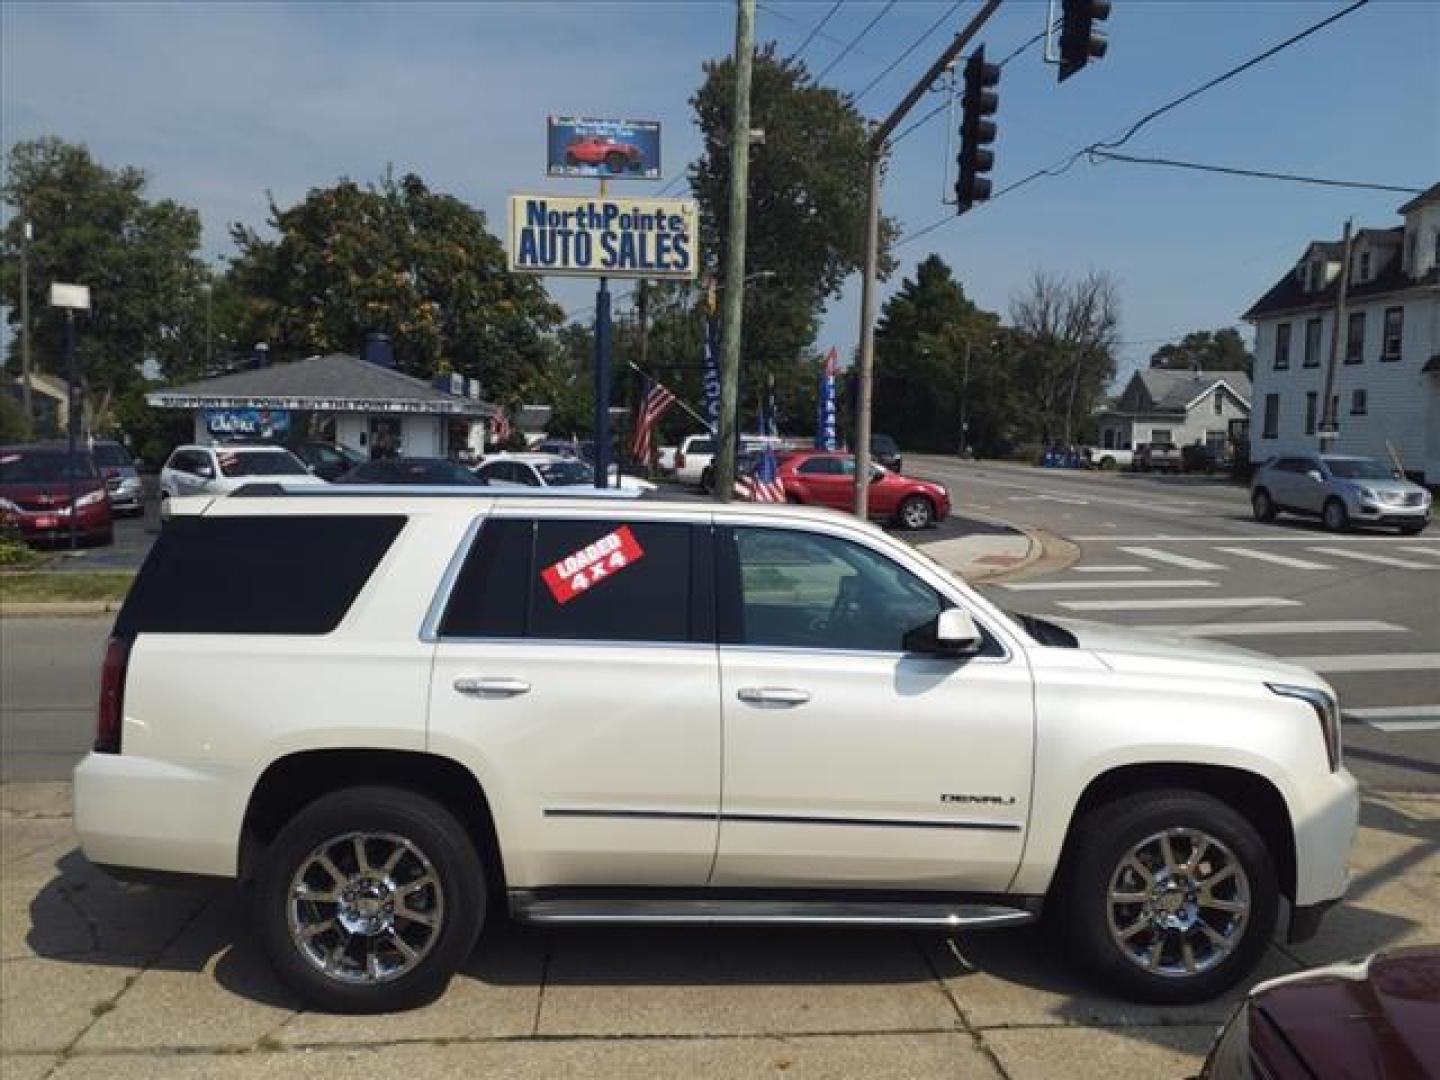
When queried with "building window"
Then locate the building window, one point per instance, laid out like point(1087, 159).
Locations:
point(1282, 347)
point(1312, 343)
point(1310, 402)
point(1108, 439)
point(1390, 339)
point(1359, 403)
point(1355, 338)
point(1160, 435)
point(1364, 266)
point(1219, 402)
point(1272, 416)
point(1435, 256)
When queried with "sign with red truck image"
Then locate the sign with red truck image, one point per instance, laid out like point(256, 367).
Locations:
point(584, 146)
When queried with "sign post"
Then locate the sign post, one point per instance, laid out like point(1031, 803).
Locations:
point(72, 298)
point(602, 384)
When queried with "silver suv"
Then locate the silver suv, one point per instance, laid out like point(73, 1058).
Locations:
point(1340, 490)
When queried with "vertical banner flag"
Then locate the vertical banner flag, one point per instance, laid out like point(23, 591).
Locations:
point(710, 377)
point(826, 437)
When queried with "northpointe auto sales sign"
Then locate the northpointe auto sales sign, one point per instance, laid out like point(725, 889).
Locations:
point(594, 236)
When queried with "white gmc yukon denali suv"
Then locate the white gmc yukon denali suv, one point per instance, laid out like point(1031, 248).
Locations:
point(395, 716)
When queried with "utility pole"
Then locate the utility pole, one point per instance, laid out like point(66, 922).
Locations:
point(875, 154)
point(734, 299)
point(1328, 419)
point(209, 323)
point(965, 401)
point(25, 392)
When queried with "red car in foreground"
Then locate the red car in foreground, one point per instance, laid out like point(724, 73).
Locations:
point(35, 494)
point(615, 155)
point(822, 478)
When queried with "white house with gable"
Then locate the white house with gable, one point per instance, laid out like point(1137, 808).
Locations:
point(1180, 407)
point(1387, 375)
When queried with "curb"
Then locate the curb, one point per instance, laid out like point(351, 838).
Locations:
point(58, 608)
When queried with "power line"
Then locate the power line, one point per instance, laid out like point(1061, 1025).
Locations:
point(831, 38)
point(1261, 174)
point(855, 41)
point(1064, 164)
point(816, 29)
point(912, 47)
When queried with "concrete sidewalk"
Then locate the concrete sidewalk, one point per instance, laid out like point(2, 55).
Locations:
point(102, 980)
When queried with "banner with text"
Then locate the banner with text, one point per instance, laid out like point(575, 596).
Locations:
point(625, 237)
point(585, 146)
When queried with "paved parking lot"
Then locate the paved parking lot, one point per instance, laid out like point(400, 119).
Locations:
point(103, 980)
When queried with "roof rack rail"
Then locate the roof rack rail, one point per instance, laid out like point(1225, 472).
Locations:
point(272, 489)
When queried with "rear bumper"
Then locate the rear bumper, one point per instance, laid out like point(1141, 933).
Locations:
point(140, 814)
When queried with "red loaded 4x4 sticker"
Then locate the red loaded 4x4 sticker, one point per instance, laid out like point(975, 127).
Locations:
point(592, 564)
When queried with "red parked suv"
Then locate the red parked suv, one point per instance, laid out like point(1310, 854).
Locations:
point(602, 150)
point(822, 478)
point(35, 494)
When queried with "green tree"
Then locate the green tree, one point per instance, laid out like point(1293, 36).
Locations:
point(923, 390)
point(1207, 350)
point(393, 257)
point(96, 226)
point(805, 226)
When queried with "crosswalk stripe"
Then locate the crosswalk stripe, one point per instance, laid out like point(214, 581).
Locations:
point(1372, 662)
point(1117, 568)
point(1398, 718)
point(1382, 560)
point(1269, 629)
point(1127, 583)
point(1177, 603)
point(1174, 560)
point(1279, 560)
point(1419, 549)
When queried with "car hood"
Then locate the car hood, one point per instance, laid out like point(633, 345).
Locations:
point(1134, 649)
point(1376, 1017)
point(57, 491)
point(230, 483)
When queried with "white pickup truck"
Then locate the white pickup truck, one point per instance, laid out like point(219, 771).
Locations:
point(1109, 457)
point(696, 452)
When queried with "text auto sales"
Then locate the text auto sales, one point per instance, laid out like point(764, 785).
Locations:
point(603, 237)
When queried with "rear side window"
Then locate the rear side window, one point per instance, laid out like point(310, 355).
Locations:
point(255, 575)
point(585, 581)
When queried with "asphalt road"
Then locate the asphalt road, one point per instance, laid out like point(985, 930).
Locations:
point(1182, 555)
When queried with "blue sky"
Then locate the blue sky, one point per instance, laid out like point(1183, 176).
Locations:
point(224, 102)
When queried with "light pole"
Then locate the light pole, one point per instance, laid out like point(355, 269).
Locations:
point(26, 234)
point(72, 298)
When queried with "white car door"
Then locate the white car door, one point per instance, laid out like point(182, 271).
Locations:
point(576, 674)
point(850, 760)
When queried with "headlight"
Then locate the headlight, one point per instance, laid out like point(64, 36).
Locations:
point(1327, 710)
point(90, 499)
point(1369, 493)
point(8, 507)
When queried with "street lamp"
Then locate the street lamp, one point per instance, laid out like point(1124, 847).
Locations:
point(71, 298)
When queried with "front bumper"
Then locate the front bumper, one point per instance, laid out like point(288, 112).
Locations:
point(1325, 824)
point(1385, 514)
point(41, 528)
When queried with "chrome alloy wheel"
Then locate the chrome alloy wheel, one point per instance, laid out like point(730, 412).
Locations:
point(1178, 903)
point(365, 907)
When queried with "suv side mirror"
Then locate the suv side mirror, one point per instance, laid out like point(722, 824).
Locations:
point(207, 471)
point(952, 633)
point(1314, 474)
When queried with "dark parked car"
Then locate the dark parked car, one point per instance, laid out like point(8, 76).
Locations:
point(417, 470)
point(327, 460)
point(122, 477)
point(1197, 457)
point(1157, 457)
point(885, 451)
point(1377, 1018)
point(35, 483)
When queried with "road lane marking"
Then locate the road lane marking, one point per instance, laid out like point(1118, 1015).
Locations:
point(1128, 583)
point(1361, 662)
point(1382, 560)
point(1279, 560)
point(1177, 603)
point(1117, 568)
point(1394, 719)
point(1266, 629)
point(1418, 549)
point(1174, 560)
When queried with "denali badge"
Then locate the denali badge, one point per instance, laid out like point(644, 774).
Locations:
point(978, 800)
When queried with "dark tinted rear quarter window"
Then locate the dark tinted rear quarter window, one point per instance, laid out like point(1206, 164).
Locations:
point(493, 588)
point(256, 575)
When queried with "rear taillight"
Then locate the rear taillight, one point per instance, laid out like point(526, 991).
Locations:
point(679, 461)
point(112, 696)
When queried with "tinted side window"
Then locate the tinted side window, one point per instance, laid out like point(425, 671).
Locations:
point(255, 575)
point(820, 467)
point(492, 591)
point(611, 581)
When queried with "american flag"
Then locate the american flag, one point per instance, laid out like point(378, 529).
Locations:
point(656, 400)
point(763, 485)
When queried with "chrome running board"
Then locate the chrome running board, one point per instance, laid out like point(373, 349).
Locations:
point(526, 907)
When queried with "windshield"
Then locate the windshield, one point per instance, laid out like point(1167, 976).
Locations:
point(1358, 469)
point(111, 456)
point(44, 467)
point(560, 473)
point(260, 463)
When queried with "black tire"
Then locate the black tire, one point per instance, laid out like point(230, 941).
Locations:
point(395, 812)
point(616, 162)
point(1099, 845)
point(707, 479)
point(1335, 516)
point(916, 513)
point(1262, 505)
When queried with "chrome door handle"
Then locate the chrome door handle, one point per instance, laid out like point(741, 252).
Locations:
point(492, 687)
point(773, 697)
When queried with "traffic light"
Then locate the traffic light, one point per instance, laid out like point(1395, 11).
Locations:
point(1080, 42)
point(976, 133)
